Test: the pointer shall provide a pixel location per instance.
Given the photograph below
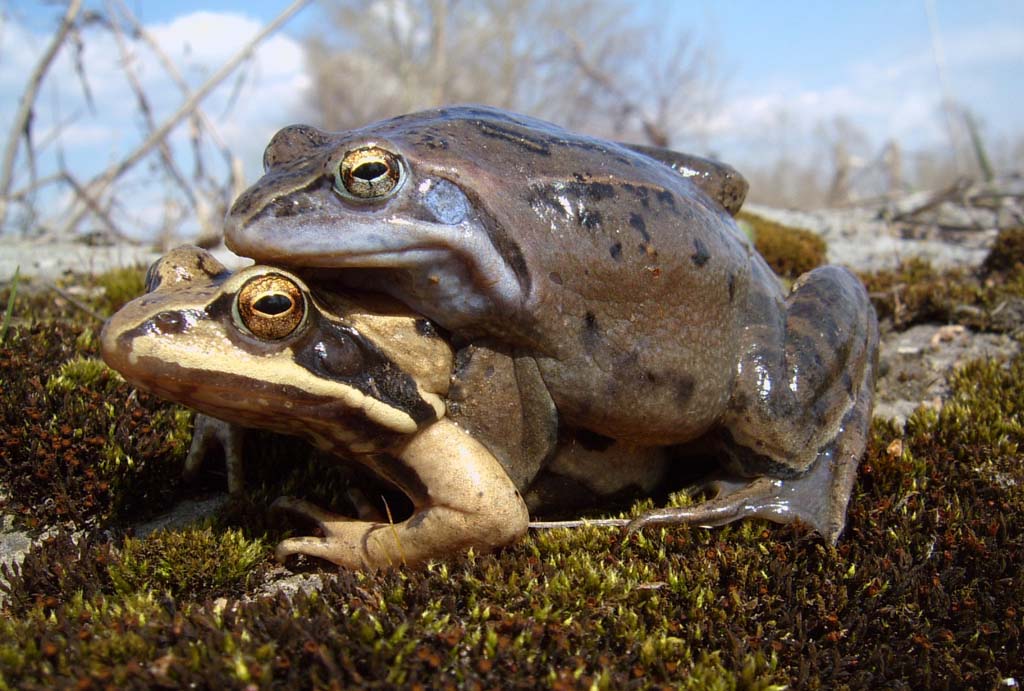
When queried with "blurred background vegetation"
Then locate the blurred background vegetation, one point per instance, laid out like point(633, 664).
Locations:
point(595, 66)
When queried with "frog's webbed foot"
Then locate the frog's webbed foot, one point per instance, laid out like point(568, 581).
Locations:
point(462, 499)
point(207, 432)
point(818, 498)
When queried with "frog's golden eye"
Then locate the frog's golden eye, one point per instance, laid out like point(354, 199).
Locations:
point(271, 306)
point(368, 173)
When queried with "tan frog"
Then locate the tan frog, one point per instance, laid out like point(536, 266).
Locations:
point(615, 271)
point(363, 377)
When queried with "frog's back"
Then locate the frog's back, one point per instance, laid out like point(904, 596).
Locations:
point(631, 275)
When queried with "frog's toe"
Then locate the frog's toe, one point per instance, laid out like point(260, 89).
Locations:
point(332, 549)
point(758, 498)
point(779, 501)
point(322, 517)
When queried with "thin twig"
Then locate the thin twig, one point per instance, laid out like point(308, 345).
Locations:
point(93, 206)
point(22, 118)
point(74, 302)
point(9, 312)
point(30, 189)
point(581, 523)
point(147, 112)
point(192, 103)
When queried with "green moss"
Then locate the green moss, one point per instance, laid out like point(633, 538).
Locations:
point(187, 562)
point(70, 429)
point(120, 286)
point(789, 251)
point(87, 372)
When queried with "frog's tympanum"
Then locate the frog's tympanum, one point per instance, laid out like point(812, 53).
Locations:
point(604, 309)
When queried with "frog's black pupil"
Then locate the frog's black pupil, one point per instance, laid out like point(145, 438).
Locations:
point(370, 171)
point(273, 304)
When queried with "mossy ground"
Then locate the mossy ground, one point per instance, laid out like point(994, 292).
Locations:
point(925, 589)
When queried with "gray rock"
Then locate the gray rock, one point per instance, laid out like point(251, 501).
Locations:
point(914, 364)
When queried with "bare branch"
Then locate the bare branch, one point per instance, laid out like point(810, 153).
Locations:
point(653, 130)
point(93, 206)
point(147, 113)
point(101, 181)
point(22, 118)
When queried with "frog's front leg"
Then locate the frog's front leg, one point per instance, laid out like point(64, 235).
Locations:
point(798, 420)
point(209, 431)
point(462, 498)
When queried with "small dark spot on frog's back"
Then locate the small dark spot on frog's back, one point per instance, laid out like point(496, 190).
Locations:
point(684, 386)
point(668, 200)
point(591, 333)
point(639, 192)
point(700, 254)
point(616, 251)
point(430, 139)
point(593, 191)
point(637, 223)
point(555, 277)
point(590, 219)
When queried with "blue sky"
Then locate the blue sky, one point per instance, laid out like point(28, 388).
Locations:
point(799, 62)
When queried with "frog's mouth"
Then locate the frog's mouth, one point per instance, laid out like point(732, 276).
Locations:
point(446, 269)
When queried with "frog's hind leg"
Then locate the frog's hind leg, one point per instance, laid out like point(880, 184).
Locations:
point(461, 495)
point(818, 497)
point(800, 426)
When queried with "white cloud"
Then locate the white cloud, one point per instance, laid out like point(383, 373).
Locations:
point(268, 91)
point(889, 99)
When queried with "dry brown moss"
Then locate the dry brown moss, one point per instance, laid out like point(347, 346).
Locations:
point(1007, 253)
point(924, 589)
point(789, 251)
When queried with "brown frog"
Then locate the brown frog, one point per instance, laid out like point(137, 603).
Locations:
point(616, 270)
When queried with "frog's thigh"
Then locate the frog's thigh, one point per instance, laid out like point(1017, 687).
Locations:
point(462, 497)
point(799, 383)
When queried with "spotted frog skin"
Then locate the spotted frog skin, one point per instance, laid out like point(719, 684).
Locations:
point(617, 271)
